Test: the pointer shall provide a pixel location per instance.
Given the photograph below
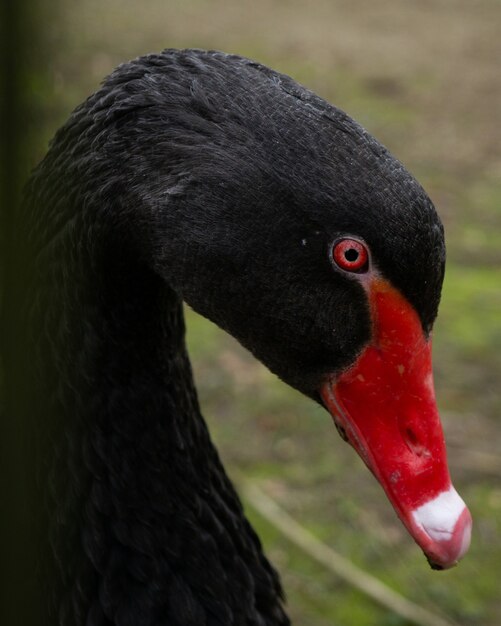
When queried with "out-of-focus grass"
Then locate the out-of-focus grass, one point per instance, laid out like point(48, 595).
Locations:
point(424, 78)
point(467, 341)
point(474, 293)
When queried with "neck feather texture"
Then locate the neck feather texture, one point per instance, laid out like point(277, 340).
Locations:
point(138, 523)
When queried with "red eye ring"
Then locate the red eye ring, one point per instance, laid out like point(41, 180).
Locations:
point(350, 255)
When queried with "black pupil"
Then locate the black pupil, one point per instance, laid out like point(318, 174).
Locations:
point(351, 255)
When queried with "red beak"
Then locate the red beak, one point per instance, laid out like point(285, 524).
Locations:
point(385, 405)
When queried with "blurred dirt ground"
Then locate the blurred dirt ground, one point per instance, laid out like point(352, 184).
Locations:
point(423, 76)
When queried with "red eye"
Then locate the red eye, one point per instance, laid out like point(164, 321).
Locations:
point(350, 255)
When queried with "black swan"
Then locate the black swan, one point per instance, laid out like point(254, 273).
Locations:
point(209, 178)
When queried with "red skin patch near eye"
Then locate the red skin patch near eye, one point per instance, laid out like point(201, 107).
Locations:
point(386, 405)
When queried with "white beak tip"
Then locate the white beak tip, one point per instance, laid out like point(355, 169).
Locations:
point(445, 524)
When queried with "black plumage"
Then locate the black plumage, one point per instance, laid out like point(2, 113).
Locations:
point(208, 178)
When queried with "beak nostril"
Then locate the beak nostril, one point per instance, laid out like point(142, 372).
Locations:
point(414, 444)
point(411, 437)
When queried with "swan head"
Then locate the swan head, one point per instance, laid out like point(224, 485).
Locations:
point(282, 220)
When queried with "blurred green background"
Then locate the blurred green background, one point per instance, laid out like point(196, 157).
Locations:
point(423, 76)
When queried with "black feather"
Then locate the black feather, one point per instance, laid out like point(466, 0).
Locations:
point(210, 178)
